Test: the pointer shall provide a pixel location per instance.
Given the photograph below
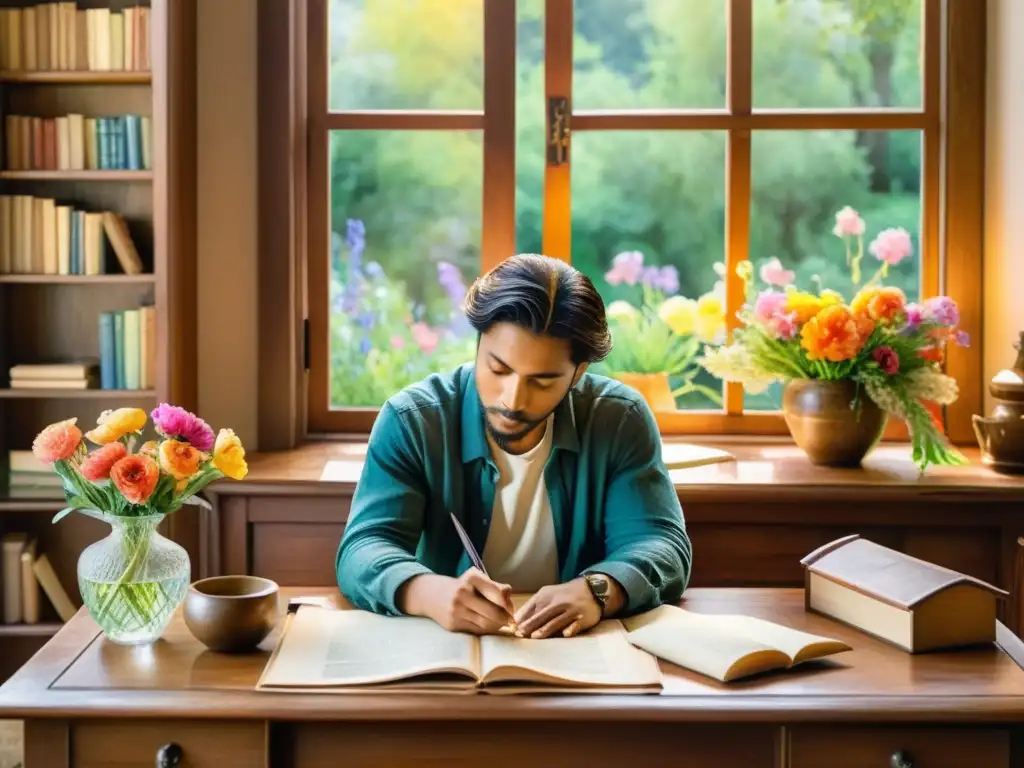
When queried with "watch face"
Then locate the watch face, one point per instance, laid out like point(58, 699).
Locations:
point(600, 586)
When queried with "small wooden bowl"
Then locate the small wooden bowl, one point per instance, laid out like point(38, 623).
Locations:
point(231, 614)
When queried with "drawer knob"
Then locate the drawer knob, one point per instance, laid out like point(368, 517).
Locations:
point(169, 756)
point(901, 759)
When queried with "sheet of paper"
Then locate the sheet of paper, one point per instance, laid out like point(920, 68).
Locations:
point(332, 648)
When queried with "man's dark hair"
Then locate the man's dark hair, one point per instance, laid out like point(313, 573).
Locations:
point(545, 296)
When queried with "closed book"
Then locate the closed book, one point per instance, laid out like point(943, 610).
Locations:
point(118, 350)
point(131, 348)
point(108, 351)
point(10, 555)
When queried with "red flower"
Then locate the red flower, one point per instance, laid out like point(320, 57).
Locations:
point(887, 359)
point(98, 463)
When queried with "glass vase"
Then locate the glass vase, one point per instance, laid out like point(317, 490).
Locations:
point(133, 580)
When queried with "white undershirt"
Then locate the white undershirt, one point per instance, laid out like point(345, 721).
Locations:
point(520, 549)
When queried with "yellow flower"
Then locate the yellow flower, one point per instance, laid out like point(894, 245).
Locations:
point(229, 455)
point(622, 311)
point(830, 297)
point(679, 314)
point(804, 305)
point(113, 425)
point(710, 319)
point(179, 459)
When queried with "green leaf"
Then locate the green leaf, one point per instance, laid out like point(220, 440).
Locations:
point(62, 514)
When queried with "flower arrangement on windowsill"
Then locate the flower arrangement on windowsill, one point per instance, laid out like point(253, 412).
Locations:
point(132, 580)
point(847, 367)
point(657, 339)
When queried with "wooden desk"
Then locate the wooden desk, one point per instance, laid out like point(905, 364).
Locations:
point(750, 520)
point(91, 703)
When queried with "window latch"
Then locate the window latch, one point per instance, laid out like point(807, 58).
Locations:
point(559, 116)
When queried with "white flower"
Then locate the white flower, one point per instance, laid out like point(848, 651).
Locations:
point(929, 384)
point(733, 363)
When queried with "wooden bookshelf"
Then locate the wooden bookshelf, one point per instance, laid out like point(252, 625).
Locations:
point(55, 317)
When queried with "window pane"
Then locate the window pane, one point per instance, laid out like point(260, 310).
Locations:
point(648, 229)
point(649, 54)
point(405, 242)
point(413, 54)
point(818, 54)
point(530, 119)
point(801, 179)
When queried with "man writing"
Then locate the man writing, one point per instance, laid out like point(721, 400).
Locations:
point(555, 474)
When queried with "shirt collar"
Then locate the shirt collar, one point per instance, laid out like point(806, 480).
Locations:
point(474, 439)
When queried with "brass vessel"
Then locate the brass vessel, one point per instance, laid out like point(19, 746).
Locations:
point(825, 423)
point(1001, 434)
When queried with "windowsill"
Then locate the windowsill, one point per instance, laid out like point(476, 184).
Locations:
point(333, 467)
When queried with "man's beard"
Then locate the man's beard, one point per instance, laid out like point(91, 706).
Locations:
point(507, 439)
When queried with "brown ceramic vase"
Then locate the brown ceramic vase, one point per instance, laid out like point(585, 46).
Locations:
point(826, 427)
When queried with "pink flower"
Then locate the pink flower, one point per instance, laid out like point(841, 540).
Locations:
point(425, 337)
point(891, 246)
point(785, 326)
point(773, 273)
point(887, 359)
point(397, 342)
point(172, 421)
point(627, 268)
point(767, 305)
point(915, 316)
point(848, 223)
point(942, 310)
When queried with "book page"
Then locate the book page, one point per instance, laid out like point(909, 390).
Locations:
point(600, 657)
point(324, 647)
point(724, 647)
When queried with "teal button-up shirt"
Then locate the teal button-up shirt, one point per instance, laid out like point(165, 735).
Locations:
point(614, 507)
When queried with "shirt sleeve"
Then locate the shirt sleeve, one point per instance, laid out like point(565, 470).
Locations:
point(648, 550)
point(377, 550)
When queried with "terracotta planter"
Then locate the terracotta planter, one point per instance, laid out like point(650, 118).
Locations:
point(826, 427)
point(654, 387)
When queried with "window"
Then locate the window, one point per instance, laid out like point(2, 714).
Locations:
point(697, 134)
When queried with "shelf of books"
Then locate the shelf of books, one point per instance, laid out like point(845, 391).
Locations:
point(97, 263)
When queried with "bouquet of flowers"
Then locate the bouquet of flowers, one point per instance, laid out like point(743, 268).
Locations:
point(159, 478)
point(891, 349)
point(132, 581)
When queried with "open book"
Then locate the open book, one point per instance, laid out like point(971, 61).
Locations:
point(349, 650)
point(725, 647)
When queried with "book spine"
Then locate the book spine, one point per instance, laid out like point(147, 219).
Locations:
point(107, 352)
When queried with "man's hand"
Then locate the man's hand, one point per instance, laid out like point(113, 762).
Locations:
point(564, 609)
point(471, 603)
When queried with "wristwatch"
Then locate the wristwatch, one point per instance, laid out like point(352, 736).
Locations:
point(598, 584)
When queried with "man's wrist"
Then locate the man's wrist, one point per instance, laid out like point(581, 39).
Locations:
point(415, 596)
point(613, 593)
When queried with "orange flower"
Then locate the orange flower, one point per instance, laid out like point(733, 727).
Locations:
point(57, 442)
point(932, 354)
point(179, 459)
point(835, 334)
point(135, 477)
point(880, 304)
point(98, 463)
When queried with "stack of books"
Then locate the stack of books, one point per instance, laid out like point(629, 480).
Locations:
point(83, 374)
point(29, 478)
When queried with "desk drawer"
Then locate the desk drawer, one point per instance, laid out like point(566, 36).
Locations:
point(920, 747)
point(511, 744)
point(203, 743)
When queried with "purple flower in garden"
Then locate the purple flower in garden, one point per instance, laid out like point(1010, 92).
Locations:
point(355, 239)
point(374, 270)
point(450, 278)
point(942, 310)
point(364, 346)
point(664, 279)
point(626, 268)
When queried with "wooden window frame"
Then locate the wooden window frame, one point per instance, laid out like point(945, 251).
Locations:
point(951, 119)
